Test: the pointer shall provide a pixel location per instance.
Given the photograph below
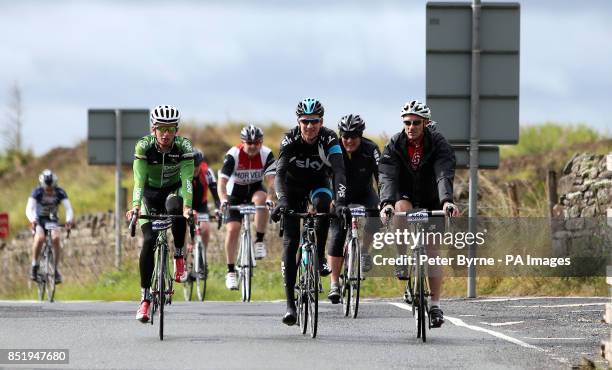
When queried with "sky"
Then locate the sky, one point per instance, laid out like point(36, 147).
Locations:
point(253, 61)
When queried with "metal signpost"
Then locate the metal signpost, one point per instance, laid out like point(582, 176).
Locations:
point(472, 81)
point(111, 137)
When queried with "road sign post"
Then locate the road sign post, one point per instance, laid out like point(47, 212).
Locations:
point(112, 136)
point(479, 40)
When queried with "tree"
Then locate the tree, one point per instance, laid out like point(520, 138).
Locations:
point(14, 121)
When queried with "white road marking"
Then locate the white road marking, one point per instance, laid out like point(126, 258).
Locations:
point(502, 323)
point(459, 322)
point(504, 299)
point(560, 305)
point(555, 338)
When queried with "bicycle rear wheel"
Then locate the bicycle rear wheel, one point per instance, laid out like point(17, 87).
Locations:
point(201, 271)
point(313, 290)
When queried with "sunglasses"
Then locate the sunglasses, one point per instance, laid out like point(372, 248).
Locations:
point(311, 121)
point(163, 130)
point(351, 135)
point(413, 123)
point(252, 142)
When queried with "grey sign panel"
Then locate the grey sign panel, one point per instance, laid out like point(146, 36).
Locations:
point(101, 134)
point(453, 118)
point(449, 27)
point(488, 156)
point(448, 70)
point(449, 75)
point(102, 151)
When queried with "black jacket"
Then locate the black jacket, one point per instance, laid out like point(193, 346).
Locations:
point(430, 185)
point(360, 168)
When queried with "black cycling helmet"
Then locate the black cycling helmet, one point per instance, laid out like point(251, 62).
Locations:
point(198, 157)
point(351, 123)
point(310, 106)
point(251, 133)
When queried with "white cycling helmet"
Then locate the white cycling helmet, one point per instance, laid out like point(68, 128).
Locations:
point(47, 178)
point(418, 108)
point(165, 115)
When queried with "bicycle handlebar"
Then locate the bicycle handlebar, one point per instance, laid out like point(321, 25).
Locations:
point(416, 212)
point(135, 217)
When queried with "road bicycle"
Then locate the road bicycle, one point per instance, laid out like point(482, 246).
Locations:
point(161, 280)
point(47, 264)
point(352, 274)
point(417, 290)
point(246, 253)
point(197, 265)
point(308, 281)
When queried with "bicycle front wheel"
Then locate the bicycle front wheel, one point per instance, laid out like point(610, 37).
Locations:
point(50, 275)
point(313, 290)
point(246, 271)
point(161, 281)
point(41, 279)
point(422, 304)
point(356, 278)
point(346, 288)
point(188, 284)
point(201, 272)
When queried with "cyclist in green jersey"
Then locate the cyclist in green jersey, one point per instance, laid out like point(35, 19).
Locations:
point(163, 172)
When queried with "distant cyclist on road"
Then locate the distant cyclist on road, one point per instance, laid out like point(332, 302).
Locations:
point(241, 182)
point(203, 180)
point(42, 209)
point(163, 171)
point(417, 170)
point(310, 158)
point(361, 157)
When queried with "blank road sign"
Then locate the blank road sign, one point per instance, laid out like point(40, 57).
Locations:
point(101, 134)
point(449, 66)
point(488, 156)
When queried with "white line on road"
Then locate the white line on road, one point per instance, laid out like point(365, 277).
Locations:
point(503, 299)
point(459, 322)
point(555, 338)
point(560, 305)
point(502, 323)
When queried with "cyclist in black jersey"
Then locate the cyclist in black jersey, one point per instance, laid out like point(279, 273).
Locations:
point(361, 157)
point(309, 159)
point(417, 169)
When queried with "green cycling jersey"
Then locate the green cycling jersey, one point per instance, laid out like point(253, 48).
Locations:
point(155, 169)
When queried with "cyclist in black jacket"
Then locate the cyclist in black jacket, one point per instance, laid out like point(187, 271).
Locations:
point(310, 157)
point(417, 170)
point(361, 157)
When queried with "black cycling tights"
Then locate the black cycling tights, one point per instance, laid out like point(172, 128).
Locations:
point(321, 203)
point(147, 254)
